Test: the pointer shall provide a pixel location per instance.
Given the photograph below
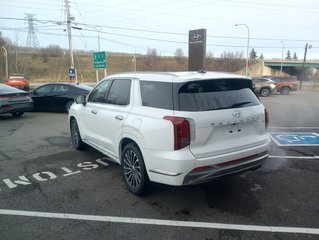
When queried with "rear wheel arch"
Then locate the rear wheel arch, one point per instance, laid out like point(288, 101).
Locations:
point(125, 141)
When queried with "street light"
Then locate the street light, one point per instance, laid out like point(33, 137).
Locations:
point(282, 54)
point(242, 24)
point(6, 55)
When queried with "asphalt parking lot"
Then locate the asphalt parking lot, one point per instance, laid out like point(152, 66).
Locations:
point(50, 191)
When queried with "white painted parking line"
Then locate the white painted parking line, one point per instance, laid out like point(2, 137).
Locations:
point(295, 157)
point(160, 222)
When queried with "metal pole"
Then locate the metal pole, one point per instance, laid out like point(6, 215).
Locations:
point(282, 55)
point(97, 75)
point(98, 39)
point(133, 63)
point(303, 67)
point(69, 33)
point(6, 55)
point(243, 24)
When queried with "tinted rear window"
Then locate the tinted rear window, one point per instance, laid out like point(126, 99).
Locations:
point(203, 95)
point(209, 95)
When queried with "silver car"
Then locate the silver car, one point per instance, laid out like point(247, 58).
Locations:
point(264, 86)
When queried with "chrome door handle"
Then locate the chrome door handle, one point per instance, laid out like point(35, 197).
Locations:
point(94, 111)
point(119, 117)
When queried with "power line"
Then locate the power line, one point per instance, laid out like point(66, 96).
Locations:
point(186, 34)
point(33, 3)
point(162, 32)
point(26, 7)
point(163, 40)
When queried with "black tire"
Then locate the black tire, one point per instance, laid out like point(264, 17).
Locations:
point(77, 142)
point(133, 170)
point(17, 114)
point(68, 105)
point(265, 92)
point(285, 90)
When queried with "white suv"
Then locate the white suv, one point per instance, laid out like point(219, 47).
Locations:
point(175, 128)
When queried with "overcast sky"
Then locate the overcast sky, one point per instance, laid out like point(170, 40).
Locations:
point(135, 25)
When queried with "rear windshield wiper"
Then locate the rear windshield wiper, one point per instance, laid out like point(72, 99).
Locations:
point(239, 104)
point(235, 105)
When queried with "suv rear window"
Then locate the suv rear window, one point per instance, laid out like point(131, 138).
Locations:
point(204, 95)
point(210, 95)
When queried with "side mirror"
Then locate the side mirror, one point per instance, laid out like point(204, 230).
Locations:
point(81, 99)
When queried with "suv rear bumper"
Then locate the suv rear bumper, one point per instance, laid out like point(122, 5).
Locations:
point(250, 163)
point(182, 168)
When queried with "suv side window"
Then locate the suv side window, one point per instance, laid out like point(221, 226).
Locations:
point(99, 92)
point(119, 93)
point(157, 94)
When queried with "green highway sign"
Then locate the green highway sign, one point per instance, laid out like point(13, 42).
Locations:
point(99, 60)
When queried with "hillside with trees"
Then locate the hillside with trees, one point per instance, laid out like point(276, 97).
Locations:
point(51, 64)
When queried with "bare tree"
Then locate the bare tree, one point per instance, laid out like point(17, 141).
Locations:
point(179, 55)
point(253, 54)
point(151, 57)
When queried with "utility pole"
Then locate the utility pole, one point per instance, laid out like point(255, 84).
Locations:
point(282, 55)
point(6, 55)
point(303, 65)
point(247, 55)
point(69, 18)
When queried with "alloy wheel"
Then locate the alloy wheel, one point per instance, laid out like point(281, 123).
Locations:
point(132, 169)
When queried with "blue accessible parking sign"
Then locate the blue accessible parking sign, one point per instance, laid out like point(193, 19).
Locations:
point(295, 139)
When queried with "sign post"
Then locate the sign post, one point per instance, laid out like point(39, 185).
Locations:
point(72, 75)
point(99, 62)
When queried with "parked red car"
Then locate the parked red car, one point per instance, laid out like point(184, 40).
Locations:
point(285, 84)
point(18, 81)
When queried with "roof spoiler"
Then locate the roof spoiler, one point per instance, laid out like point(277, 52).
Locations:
point(202, 70)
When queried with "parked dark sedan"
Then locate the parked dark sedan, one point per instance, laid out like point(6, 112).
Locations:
point(57, 97)
point(14, 101)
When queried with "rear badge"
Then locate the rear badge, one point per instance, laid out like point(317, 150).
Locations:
point(237, 114)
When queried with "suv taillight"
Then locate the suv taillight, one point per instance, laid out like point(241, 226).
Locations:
point(266, 118)
point(182, 136)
